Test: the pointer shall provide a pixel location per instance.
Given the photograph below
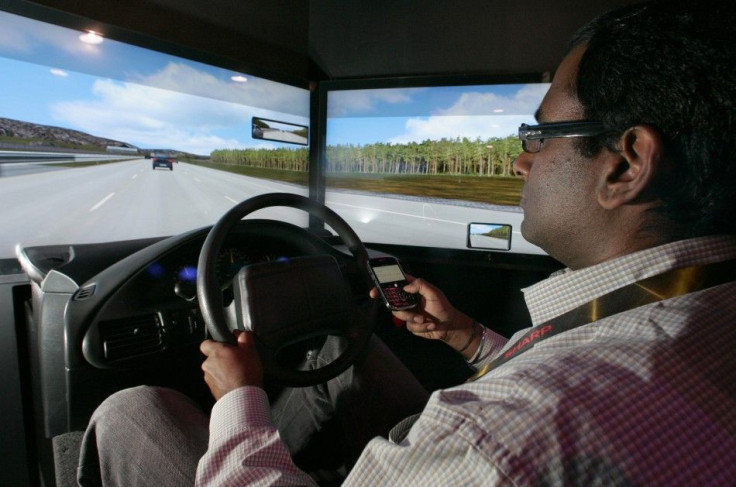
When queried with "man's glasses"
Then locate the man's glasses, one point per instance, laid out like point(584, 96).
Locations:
point(532, 136)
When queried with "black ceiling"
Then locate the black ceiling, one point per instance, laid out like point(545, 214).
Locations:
point(307, 40)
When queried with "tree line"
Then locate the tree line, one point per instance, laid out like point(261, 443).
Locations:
point(282, 158)
point(459, 156)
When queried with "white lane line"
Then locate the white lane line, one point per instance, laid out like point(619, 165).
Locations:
point(134, 176)
point(390, 212)
point(102, 202)
point(230, 199)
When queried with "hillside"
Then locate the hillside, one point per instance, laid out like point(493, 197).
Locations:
point(35, 136)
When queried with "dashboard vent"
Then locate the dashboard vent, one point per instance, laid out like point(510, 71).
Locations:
point(85, 292)
point(131, 337)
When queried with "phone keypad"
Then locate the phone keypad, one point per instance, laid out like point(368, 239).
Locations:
point(398, 297)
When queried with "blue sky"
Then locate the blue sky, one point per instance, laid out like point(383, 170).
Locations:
point(400, 115)
point(154, 100)
point(149, 99)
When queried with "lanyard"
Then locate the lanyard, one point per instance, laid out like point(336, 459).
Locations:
point(675, 282)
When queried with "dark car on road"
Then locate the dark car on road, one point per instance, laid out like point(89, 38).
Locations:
point(162, 160)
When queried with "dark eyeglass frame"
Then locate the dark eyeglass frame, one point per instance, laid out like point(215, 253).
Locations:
point(532, 136)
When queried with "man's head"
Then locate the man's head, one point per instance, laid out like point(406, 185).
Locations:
point(661, 77)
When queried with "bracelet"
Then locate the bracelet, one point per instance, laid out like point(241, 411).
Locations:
point(479, 353)
point(470, 340)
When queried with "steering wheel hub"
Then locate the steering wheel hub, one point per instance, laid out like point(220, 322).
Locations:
point(286, 302)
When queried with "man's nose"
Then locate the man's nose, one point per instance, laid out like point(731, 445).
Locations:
point(522, 164)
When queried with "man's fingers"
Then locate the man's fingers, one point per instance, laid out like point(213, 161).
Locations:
point(419, 286)
point(207, 347)
point(242, 337)
point(373, 293)
point(423, 327)
point(245, 338)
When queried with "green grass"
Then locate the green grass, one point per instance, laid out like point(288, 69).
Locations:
point(296, 177)
point(501, 232)
point(499, 191)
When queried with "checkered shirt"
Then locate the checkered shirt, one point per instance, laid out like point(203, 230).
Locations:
point(643, 397)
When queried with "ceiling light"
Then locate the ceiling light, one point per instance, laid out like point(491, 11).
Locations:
point(91, 37)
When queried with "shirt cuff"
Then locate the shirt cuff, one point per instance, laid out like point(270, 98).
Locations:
point(244, 406)
point(493, 345)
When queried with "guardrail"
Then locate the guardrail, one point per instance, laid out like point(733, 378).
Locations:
point(29, 157)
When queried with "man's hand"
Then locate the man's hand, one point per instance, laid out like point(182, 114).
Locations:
point(435, 318)
point(229, 367)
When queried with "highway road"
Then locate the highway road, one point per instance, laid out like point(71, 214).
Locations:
point(129, 200)
point(21, 168)
point(283, 136)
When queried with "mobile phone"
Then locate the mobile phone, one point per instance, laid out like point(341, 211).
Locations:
point(390, 280)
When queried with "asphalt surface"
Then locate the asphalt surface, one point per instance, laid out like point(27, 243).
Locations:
point(129, 200)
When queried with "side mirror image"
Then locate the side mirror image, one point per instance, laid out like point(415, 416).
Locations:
point(493, 236)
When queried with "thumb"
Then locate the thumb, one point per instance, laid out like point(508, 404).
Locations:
point(243, 337)
point(415, 285)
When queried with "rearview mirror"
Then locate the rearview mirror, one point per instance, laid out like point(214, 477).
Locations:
point(493, 236)
point(265, 129)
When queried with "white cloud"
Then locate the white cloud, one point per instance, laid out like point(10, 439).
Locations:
point(363, 101)
point(256, 92)
point(469, 116)
point(158, 118)
point(523, 102)
point(35, 41)
point(472, 127)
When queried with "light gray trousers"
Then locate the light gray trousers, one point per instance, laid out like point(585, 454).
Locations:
point(148, 436)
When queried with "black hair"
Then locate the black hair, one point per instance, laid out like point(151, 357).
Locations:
point(670, 65)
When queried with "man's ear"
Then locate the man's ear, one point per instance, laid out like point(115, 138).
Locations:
point(629, 173)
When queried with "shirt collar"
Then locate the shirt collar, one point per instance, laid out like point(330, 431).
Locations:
point(567, 289)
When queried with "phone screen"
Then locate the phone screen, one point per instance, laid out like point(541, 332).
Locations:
point(390, 280)
point(388, 273)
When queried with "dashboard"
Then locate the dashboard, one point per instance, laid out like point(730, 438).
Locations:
point(108, 316)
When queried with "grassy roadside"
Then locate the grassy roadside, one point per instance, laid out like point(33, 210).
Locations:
point(295, 177)
point(498, 191)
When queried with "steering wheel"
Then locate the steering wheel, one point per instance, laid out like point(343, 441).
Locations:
point(285, 302)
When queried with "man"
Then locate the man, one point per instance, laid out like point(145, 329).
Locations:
point(629, 375)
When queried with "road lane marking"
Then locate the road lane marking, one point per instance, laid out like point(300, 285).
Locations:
point(229, 198)
point(102, 202)
point(134, 176)
point(398, 213)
